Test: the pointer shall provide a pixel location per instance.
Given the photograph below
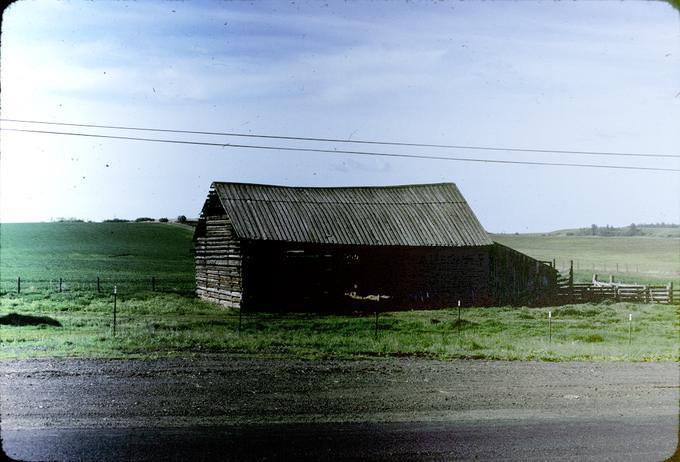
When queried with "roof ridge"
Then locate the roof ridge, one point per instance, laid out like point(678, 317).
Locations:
point(249, 199)
point(337, 187)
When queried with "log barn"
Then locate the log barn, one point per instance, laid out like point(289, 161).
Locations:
point(279, 248)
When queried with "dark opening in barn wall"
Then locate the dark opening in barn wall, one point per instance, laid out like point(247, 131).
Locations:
point(291, 277)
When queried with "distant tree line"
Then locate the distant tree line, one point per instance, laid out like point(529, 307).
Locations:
point(630, 230)
point(116, 220)
point(659, 225)
point(179, 219)
point(68, 220)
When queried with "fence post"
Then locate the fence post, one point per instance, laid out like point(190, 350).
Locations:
point(59, 285)
point(670, 293)
point(630, 327)
point(115, 296)
point(18, 285)
point(376, 324)
point(549, 326)
point(458, 321)
point(571, 281)
point(98, 288)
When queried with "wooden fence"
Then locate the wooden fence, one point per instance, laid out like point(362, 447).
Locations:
point(598, 291)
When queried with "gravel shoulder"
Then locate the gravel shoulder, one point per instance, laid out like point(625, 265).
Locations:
point(219, 390)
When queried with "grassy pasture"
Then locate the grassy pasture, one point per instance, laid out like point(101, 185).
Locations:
point(152, 325)
point(158, 324)
point(657, 258)
point(79, 252)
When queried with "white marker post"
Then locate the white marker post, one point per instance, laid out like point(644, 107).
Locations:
point(630, 327)
point(549, 326)
point(458, 320)
point(115, 296)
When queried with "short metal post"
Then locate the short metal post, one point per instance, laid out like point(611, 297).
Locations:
point(549, 326)
point(18, 285)
point(115, 296)
point(59, 285)
point(98, 287)
point(630, 328)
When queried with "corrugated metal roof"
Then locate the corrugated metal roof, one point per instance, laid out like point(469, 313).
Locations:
point(410, 215)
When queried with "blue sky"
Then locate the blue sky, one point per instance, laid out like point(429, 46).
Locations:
point(594, 76)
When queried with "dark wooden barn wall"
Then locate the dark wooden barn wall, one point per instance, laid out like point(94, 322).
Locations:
point(517, 279)
point(283, 276)
point(218, 262)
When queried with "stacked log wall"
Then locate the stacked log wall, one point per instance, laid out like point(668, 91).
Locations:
point(219, 263)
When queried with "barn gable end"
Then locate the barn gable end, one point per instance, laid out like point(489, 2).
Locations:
point(218, 256)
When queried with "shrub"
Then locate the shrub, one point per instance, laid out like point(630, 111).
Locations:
point(181, 219)
point(140, 219)
point(163, 220)
point(116, 220)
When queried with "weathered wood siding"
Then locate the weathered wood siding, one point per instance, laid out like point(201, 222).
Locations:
point(518, 279)
point(218, 262)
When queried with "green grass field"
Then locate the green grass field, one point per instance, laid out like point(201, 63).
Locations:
point(123, 253)
point(152, 324)
point(640, 259)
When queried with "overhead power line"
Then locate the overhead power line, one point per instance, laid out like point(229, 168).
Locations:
point(338, 151)
point(333, 140)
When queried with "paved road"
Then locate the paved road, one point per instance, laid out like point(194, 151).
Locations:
point(525, 441)
point(230, 408)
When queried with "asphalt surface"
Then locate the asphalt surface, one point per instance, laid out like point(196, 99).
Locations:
point(236, 408)
point(605, 440)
